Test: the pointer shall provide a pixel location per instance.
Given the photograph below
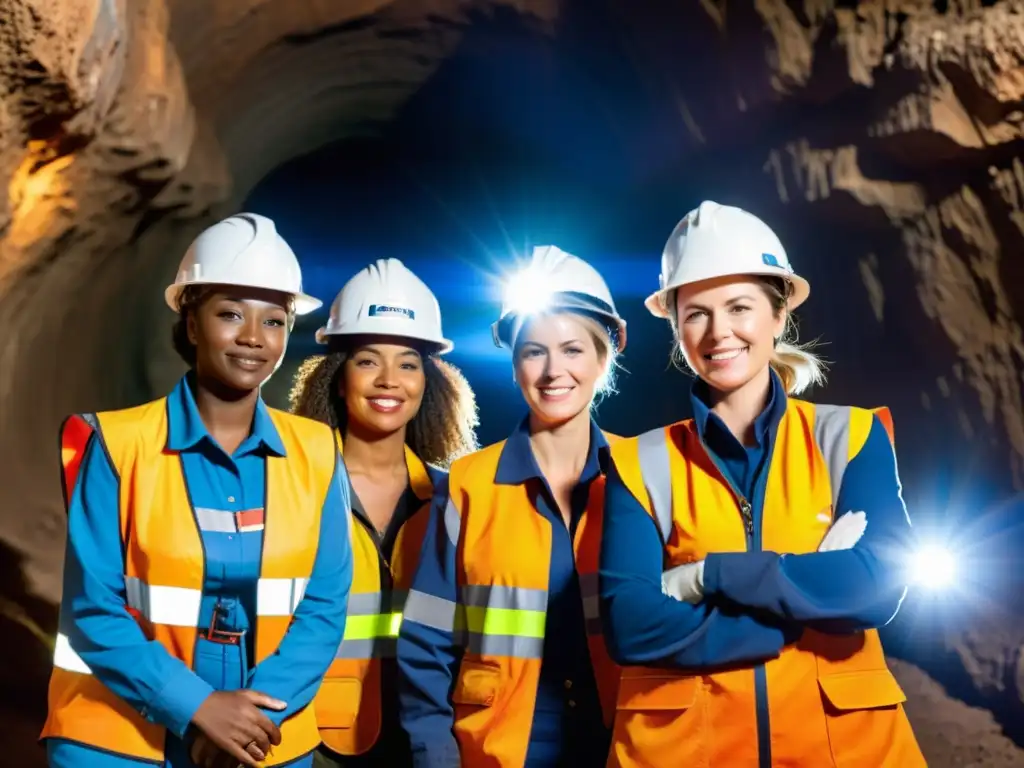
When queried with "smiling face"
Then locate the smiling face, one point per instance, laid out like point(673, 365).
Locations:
point(240, 335)
point(727, 328)
point(560, 362)
point(382, 384)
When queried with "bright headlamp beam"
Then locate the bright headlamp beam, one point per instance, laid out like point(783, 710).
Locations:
point(525, 293)
point(932, 566)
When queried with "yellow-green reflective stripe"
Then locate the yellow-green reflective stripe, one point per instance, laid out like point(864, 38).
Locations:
point(505, 621)
point(373, 626)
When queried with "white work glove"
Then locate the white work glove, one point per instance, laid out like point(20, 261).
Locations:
point(845, 532)
point(684, 582)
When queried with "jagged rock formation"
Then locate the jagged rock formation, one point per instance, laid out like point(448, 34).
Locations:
point(126, 126)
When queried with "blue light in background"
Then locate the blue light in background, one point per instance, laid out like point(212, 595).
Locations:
point(470, 296)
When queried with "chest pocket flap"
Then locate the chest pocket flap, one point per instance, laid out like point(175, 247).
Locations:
point(864, 689)
point(657, 691)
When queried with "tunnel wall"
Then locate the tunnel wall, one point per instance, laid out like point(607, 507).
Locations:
point(127, 127)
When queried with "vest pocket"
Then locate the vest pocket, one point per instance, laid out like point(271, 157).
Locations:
point(478, 684)
point(863, 716)
point(661, 714)
point(337, 702)
point(476, 701)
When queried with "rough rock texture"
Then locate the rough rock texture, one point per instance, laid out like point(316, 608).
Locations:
point(126, 126)
point(952, 734)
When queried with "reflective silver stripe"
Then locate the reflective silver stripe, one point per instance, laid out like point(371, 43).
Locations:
point(506, 598)
point(374, 648)
point(216, 520)
point(180, 606)
point(279, 597)
point(363, 603)
point(222, 521)
point(171, 606)
point(507, 645)
point(64, 656)
point(452, 522)
point(431, 611)
point(91, 420)
point(656, 468)
point(832, 433)
point(591, 602)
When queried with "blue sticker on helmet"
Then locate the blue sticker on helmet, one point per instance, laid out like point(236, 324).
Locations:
point(770, 260)
point(377, 310)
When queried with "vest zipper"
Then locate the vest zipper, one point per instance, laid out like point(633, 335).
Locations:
point(746, 510)
point(761, 715)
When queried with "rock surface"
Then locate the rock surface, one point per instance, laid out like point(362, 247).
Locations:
point(125, 127)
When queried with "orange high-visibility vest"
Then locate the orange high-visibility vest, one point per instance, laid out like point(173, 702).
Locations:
point(348, 705)
point(832, 700)
point(164, 566)
point(504, 558)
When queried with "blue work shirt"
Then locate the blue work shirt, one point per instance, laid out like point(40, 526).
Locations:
point(741, 464)
point(142, 672)
point(756, 602)
point(567, 723)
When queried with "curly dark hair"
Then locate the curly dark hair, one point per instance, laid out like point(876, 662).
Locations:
point(443, 429)
point(189, 301)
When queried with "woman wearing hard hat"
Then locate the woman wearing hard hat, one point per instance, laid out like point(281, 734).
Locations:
point(400, 413)
point(200, 612)
point(781, 523)
point(501, 657)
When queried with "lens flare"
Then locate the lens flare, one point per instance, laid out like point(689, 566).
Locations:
point(932, 566)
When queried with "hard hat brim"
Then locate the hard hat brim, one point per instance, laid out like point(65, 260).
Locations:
point(612, 320)
point(657, 303)
point(442, 346)
point(304, 303)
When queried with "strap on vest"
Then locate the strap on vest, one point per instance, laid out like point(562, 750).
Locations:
point(74, 433)
point(656, 469)
point(833, 430)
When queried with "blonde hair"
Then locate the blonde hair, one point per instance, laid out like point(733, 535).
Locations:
point(607, 351)
point(442, 430)
point(797, 365)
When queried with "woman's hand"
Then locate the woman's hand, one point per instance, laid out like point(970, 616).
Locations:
point(205, 754)
point(234, 723)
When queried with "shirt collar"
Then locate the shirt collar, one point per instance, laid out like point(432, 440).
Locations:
point(185, 427)
point(517, 463)
point(703, 417)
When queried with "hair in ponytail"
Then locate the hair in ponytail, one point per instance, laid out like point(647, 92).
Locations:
point(797, 366)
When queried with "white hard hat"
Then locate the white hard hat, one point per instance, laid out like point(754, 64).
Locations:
point(718, 240)
point(387, 299)
point(556, 280)
point(243, 250)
